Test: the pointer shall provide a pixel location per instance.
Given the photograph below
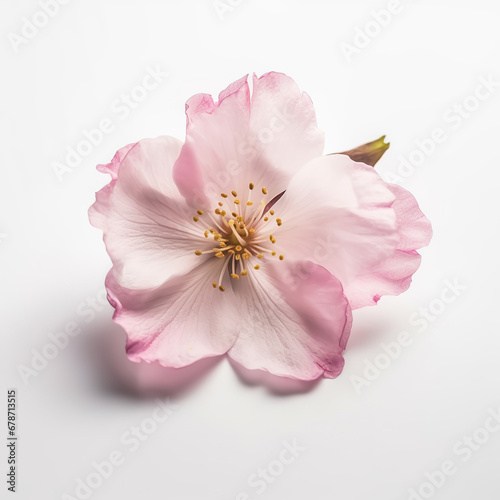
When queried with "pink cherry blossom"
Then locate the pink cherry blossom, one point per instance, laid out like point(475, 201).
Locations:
point(207, 257)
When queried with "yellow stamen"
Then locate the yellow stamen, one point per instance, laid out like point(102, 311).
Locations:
point(282, 257)
point(234, 193)
point(260, 256)
point(224, 195)
point(214, 284)
point(251, 185)
point(244, 273)
point(221, 288)
point(249, 203)
point(199, 212)
point(236, 202)
point(235, 276)
point(195, 219)
point(264, 191)
point(278, 221)
point(273, 253)
point(271, 212)
point(198, 252)
point(256, 267)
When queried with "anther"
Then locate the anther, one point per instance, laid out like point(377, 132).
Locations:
point(234, 193)
point(264, 190)
point(224, 195)
point(199, 212)
point(195, 218)
point(251, 185)
point(282, 257)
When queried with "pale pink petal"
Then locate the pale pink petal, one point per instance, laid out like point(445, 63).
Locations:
point(148, 229)
point(295, 321)
point(342, 215)
point(283, 121)
point(337, 213)
point(393, 275)
point(261, 139)
point(180, 322)
point(415, 230)
point(113, 167)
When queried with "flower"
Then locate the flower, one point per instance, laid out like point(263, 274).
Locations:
point(245, 240)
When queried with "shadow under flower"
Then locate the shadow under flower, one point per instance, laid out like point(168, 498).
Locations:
point(117, 374)
point(279, 386)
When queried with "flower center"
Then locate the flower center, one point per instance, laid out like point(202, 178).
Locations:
point(242, 232)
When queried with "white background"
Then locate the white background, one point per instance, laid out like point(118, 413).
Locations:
point(374, 443)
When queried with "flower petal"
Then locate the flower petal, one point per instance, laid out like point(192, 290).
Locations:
point(113, 167)
point(337, 213)
point(284, 121)
point(178, 323)
point(296, 321)
point(341, 214)
point(148, 229)
point(240, 139)
point(393, 275)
